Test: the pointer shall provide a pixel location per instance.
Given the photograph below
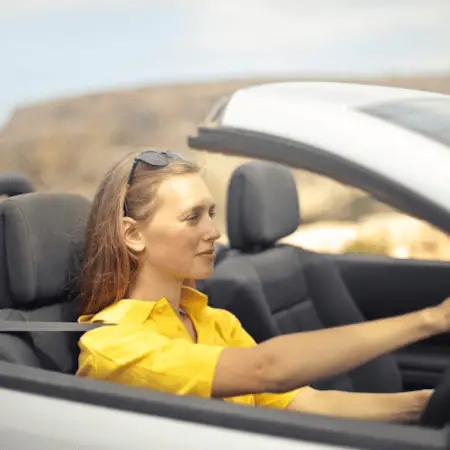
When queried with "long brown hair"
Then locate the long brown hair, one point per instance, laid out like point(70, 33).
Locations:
point(109, 267)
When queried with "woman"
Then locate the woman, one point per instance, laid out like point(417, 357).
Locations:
point(152, 228)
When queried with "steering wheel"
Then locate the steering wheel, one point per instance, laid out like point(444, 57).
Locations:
point(437, 412)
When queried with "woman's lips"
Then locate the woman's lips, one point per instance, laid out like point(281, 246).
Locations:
point(210, 253)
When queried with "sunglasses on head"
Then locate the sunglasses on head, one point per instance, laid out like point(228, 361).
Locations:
point(153, 158)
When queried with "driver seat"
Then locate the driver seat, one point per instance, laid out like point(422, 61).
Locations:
point(41, 246)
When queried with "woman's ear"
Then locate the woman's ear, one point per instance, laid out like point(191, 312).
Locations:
point(133, 238)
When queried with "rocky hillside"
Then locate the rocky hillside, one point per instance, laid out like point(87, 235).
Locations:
point(67, 144)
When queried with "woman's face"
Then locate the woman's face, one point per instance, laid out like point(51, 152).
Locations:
point(179, 239)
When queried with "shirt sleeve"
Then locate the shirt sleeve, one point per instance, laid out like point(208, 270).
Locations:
point(145, 358)
point(240, 338)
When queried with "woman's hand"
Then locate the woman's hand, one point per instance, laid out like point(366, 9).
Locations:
point(403, 407)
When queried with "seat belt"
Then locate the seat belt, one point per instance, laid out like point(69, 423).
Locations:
point(16, 326)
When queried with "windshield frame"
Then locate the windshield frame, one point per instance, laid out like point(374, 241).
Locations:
point(298, 155)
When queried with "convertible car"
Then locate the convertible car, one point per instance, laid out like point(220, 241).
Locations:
point(393, 144)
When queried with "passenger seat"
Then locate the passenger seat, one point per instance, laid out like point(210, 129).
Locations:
point(274, 288)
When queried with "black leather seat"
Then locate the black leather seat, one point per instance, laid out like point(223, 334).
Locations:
point(41, 245)
point(274, 288)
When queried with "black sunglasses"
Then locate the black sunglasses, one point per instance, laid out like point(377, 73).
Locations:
point(153, 158)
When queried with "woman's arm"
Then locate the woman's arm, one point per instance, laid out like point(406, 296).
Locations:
point(291, 361)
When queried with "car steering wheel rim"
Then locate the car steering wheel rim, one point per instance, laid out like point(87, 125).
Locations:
point(437, 412)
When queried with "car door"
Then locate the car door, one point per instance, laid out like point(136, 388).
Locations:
point(46, 410)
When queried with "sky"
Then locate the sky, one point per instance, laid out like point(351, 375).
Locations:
point(53, 48)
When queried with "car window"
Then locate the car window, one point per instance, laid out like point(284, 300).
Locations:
point(338, 218)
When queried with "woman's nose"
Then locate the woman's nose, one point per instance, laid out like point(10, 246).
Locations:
point(213, 232)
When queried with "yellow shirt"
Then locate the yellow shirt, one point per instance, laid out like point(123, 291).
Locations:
point(151, 348)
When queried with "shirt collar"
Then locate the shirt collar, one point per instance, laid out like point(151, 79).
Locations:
point(138, 311)
point(192, 300)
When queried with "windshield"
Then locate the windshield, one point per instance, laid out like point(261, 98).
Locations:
point(429, 117)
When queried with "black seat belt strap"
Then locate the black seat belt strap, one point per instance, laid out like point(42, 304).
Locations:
point(15, 326)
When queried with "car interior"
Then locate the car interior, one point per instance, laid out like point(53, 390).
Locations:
point(272, 288)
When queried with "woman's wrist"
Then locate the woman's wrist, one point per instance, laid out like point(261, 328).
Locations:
point(435, 321)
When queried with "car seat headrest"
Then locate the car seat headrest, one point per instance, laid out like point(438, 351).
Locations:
point(43, 244)
point(262, 205)
point(12, 183)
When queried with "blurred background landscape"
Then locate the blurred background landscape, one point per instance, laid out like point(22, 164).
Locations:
point(85, 82)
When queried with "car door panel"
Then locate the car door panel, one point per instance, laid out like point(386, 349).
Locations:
point(384, 287)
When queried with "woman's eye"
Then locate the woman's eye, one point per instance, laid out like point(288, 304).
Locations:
point(196, 216)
